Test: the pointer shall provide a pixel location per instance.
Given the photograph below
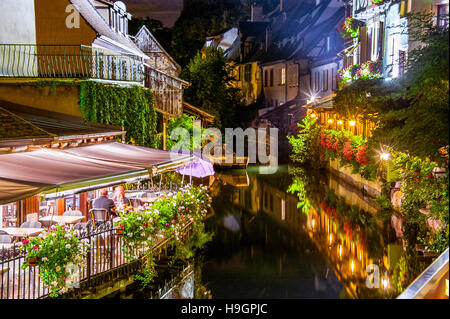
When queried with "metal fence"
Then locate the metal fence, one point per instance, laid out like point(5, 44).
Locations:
point(105, 255)
point(68, 61)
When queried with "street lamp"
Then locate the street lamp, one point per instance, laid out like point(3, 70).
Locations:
point(385, 156)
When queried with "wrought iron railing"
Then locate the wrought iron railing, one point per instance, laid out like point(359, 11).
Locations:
point(68, 61)
point(104, 257)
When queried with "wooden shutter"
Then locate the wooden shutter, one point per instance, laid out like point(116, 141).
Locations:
point(363, 46)
point(380, 49)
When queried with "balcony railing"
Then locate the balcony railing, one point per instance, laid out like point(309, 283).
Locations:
point(168, 91)
point(68, 61)
point(104, 260)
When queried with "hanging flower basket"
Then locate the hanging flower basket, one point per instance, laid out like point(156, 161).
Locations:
point(32, 261)
point(351, 27)
point(377, 2)
point(119, 232)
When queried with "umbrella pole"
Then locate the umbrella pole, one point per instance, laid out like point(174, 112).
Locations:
point(160, 180)
point(190, 177)
point(182, 180)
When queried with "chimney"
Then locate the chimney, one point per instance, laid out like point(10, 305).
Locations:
point(257, 12)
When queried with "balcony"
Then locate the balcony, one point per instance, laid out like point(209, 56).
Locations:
point(168, 91)
point(68, 62)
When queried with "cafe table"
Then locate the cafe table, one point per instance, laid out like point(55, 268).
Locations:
point(22, 232)
point(63, 219)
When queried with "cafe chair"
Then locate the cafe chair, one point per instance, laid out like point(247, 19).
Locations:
point(48, 223)
point(32, 217)
point(5, 238)
point(31, 225)
point(73, 213)
point(98, 216)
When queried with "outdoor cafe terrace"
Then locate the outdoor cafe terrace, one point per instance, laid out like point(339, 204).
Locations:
point(47, 187)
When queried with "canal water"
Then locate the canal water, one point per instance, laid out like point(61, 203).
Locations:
point(316, 240)
point(284, 235)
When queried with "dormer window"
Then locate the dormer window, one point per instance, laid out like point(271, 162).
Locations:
point(119, 17)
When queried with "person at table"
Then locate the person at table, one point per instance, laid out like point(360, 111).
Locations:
point(104, 202)
point(119, 196)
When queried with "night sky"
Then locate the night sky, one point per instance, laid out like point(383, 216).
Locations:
point(166, 11)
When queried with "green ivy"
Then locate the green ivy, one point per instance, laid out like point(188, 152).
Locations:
point(130, 107)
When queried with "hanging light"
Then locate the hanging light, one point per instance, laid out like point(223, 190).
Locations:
point(339, 122)
point(330, 121)
point(313, 115)
point(352, 123)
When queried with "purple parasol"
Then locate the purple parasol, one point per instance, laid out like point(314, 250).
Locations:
point(201, 167)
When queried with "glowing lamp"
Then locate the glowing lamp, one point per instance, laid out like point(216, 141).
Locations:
point(330, 121)
point(339, 122)
point(384, 156)
point(352, 266)
point(385, 283)
point(352, 123)
point(313, 115)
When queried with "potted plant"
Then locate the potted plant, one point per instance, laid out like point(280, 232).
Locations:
point(55, 251)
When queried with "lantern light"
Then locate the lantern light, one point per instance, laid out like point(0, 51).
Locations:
point(384, 156)
point(330, 121)
point(313, 115)
point(339, 122)
point(352, 123)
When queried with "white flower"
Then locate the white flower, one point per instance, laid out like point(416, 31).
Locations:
point(139, 218)
point(44, 258)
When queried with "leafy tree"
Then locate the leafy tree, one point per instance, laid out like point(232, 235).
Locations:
point(211, 87)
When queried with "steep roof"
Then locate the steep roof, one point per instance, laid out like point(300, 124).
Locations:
point(144, 31)
point(101, 26)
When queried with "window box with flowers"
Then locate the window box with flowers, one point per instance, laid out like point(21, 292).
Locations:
point(57, 251)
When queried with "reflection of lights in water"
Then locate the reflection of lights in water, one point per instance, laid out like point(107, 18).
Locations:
point(340, 251)
point(352, 266)
point(385, 282)
point(313, 223)
point(331, 239)
point(360, 255)
point(446, 287)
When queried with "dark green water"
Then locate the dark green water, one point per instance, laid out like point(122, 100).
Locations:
point(315, 241)
point(265, 246)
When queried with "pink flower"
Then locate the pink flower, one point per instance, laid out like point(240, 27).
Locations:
point(36, 247)
point(187, 208)
point(64, 278)
point(173, 221)
point(181, 216)
point(25, 241)
point(167, 224)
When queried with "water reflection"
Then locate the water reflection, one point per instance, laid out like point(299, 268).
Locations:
point(319, 240)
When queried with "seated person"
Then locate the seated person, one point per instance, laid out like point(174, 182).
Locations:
point(119, 196)
point(104, 202)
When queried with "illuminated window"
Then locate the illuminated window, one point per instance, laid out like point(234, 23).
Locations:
point(442, 15)
point(283, 76)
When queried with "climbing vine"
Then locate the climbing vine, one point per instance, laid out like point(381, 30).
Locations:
point(130, 107)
